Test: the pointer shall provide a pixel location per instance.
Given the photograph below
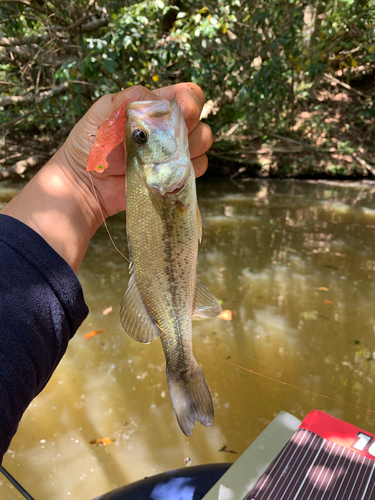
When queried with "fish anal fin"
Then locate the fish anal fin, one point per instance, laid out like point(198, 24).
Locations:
point(191, 398)
point(205, 304)
point(135, 319)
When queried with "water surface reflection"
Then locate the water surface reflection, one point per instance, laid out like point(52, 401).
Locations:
point(295, 262)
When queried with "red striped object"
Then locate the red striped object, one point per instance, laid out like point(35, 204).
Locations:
point(326, 459)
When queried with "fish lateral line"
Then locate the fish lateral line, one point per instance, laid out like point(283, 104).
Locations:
point(174, 338)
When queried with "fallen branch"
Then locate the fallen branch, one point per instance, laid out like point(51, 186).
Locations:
point(304, 145)
point(7, 158)
point(229, 158)
point(9, 100)
point(364, 163)
point(26, 4)
point(17, 120)
point(331, 78)
point(22, 166)
point(94, 25)
point(9, 42)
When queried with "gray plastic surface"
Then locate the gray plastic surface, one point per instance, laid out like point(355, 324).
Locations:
point(244, 473)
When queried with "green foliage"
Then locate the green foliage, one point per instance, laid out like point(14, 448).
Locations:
point(256, 61)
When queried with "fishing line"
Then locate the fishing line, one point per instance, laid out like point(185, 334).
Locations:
point(6, 489)
point(267, 376)
point(104, 222)
point(225, 360)
point(285, 383)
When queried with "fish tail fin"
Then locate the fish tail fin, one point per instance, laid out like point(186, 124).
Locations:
point(191, 398)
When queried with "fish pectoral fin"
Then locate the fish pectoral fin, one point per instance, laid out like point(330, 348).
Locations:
point(205, 304)
point(135, 319)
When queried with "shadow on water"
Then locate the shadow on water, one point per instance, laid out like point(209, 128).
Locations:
point(294, 262)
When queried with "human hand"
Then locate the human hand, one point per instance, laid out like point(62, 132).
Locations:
point(110, 184)
point(59, 202)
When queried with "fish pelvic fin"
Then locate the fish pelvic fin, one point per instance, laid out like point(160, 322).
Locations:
point(134, 316)
point(205, 304)
point(191, 398)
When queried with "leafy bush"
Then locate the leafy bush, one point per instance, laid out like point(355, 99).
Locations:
point(254, 60)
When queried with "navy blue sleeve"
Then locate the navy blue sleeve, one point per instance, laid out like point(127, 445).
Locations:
point(41, 308)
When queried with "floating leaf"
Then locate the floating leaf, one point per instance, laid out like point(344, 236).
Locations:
point(323, 289)
point(107, 311)
point(92, 334)
point(226, 314)
point(309, 315)
point(328, 302)
point(106, 440)
point(103, 440)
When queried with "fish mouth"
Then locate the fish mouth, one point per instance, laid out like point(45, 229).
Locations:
point(175, 191)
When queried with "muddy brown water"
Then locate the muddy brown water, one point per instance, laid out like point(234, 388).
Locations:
point(295, 262)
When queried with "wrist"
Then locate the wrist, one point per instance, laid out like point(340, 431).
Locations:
point(88, 202)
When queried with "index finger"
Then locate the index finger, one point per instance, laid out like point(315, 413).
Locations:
point(190, 98)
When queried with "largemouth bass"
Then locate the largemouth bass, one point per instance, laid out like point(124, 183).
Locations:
point(163, 227)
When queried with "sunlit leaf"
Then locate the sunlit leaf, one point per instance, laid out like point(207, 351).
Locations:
point(93, 333)
point(107, 311)
point(226, 314)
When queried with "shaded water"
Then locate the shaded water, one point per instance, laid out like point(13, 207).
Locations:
point(295, 262)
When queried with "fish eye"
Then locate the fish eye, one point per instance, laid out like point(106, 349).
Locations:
point(140, 136)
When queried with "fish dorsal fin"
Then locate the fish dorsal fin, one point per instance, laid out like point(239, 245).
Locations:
point(135, 319)
point(199, 224)
point(205, 304)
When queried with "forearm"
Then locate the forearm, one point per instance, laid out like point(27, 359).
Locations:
point(59, 206)
point(41, 308)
